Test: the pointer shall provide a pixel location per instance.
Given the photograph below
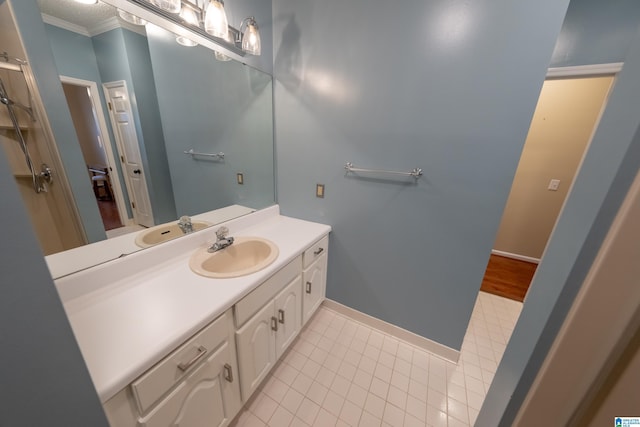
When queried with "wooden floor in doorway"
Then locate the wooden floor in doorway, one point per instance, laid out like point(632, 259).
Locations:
point(109, 214)
point(508, 277)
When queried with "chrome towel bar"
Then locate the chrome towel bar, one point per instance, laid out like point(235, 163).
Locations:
point(196, 153)
point(415, 173)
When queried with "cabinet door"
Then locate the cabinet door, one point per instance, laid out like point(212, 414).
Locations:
point(288, 312)
point(314, 284)
point(209, 396)
point(256, 349)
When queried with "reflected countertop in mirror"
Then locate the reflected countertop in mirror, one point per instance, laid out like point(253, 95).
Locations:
point(73, 260)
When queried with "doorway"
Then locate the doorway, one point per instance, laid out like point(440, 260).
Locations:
point(565, 118)
point(93, 137)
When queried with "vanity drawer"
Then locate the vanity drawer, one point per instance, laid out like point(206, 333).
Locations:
point(157, 381)
point(250, 304)
point(316, 251)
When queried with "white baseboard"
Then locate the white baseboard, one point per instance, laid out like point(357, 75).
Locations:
point(516, 256)
point(423, 343)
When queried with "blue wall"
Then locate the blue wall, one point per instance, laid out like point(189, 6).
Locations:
point(44, 379)
point(596, 32)
point(116, 52)
point(437, 85)
point(610, 165)
point(221, 107)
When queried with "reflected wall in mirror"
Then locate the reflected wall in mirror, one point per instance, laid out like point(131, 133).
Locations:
point(165, 99)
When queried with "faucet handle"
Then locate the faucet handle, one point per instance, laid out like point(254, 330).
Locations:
point(222, 232)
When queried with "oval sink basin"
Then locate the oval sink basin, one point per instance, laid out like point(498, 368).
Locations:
point(245, 256)
point(163, 232)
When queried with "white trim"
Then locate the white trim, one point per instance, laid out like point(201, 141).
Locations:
point(111, 159)
point(516, 256)
point(112, 24)
point(585, 70)
point(65, 25)
point(423, 343)
point(103, 27)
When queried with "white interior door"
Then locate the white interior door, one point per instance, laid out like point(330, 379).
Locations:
point(127, 142)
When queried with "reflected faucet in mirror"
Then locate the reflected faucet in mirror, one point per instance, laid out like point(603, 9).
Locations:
point(140, 144)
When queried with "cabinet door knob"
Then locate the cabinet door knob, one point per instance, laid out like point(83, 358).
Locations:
point(228, 372)
point(281, 316)
point(319, 251)
point(274, 324)
point(201, 352)
point(308, 289)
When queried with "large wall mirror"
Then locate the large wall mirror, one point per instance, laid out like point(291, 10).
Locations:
point(165, 131)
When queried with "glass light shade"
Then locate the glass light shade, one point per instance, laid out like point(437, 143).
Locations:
point(189, 16)
point(172, 6)
point(251, 39)
point(131, 18)
point(87, 1)
point(185, 41)
point(215, 20)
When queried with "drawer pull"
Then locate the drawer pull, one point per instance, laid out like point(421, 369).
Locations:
point(274, 324)
point(201, 352)
point(228, 372)
point(281, 316)
point(318, 252)
point(308, 290)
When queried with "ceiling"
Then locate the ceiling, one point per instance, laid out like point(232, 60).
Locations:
point(88, 19)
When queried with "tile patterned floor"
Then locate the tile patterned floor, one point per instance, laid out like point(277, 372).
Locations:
point(340, 372)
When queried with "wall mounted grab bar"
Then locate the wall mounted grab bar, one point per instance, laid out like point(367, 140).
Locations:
point(196, 153)
point(415, 173)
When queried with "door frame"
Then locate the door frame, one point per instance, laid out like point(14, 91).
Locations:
point(107, 143)
point(573, 72)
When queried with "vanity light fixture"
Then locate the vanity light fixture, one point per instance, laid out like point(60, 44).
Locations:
point(250, 39)
point(131, 18)
point(215, 19)
point(208, 19)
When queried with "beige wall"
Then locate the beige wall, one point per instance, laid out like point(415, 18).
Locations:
point(560, 130)
point(84, 122)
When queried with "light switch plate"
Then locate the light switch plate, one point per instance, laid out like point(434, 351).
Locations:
point(553, 185)
point(320, 191)
point(240, 178)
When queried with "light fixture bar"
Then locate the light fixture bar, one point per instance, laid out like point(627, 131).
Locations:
point(231, 46)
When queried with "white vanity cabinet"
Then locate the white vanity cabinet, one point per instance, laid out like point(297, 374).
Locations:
point(263, 338)
point(206, 380)
point(195, 385)
point(314, 277)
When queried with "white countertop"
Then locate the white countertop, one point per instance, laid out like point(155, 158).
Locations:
point(130, 313)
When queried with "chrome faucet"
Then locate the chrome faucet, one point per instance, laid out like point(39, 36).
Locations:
point(222, 241)
point(185, 224)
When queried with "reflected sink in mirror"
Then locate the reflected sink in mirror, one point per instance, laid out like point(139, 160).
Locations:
point(245, 256)
point(165, 232)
